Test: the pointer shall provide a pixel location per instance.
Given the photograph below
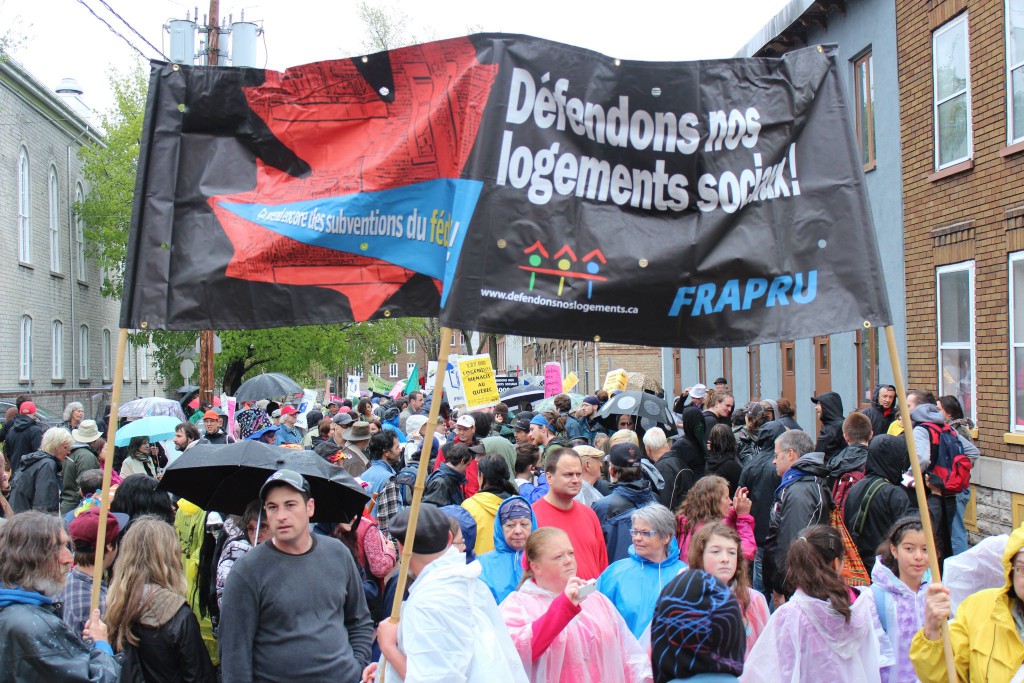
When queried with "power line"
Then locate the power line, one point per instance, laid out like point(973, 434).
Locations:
point(114, 30)
point(125, 22)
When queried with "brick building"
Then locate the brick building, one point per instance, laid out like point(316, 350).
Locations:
point(962, 129)
point(58, 334)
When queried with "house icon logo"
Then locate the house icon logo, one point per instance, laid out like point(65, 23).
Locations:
point(564, 265)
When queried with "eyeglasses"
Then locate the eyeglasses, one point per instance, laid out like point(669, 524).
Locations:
point(639, 532)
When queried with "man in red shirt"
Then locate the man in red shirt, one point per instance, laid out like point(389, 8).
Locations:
point(564, 471)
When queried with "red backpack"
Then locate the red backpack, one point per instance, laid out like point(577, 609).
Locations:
point(841, 488)
point(950, 468)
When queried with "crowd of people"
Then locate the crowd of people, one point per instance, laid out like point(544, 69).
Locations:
point(564, 545)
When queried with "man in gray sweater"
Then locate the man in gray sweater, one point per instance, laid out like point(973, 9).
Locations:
point(294, 607)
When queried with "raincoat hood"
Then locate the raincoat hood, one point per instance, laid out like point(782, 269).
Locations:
point(851, 458)
point(831, 407)
point(17, 596)
point(828, 626)
point(888, 458)
point(874, 397)
point(927, 413)
point(633, 584)
point(34, 457)
point(1013, 546)
point(500, 544)
point(768, 433)
point(812, 463)
point(672, 559)
point(486, 501)
point(636, 492)
point(884, 577)
point(468, 526)
point(22, 422)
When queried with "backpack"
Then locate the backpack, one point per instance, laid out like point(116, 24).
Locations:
point(861, 518)
point(950, 468)
point(881, 605)
point(616, 526)
point(841, 489)
point(406, 480)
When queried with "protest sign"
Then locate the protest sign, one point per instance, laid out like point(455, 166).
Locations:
point(376, 384)
point(453, 383)
point(615, 380)
point(352, 386)
point(478, 381)
point(570, 382)
point(431, 375)
point(552, 379)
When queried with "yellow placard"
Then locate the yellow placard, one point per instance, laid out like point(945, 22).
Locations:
point(478, 381)
point(615, 380)
point(570, 382)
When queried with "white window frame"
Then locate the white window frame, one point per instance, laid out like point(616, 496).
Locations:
point(25, 353)
point(57, 349)
point(126, 371)
point(1010, 68)
point(393, 371)
point(83, 352)
point(106, 355)
point(24, 207)
point(945, 28)
point(1014, 342)
point(970, 346)
point(393, 349)
point(80, 264)
point(409, 367)
point(53, 203)
point(375, 369)
point(142, 364)
point(410, 345)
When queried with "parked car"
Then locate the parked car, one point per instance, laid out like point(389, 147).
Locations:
point(45, 417)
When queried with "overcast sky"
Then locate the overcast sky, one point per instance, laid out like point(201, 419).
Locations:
point(62, 38)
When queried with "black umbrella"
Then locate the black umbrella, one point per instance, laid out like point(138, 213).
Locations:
point(639, 403)
point(520, 397)
point(227, 478)
point(269, 385)
point(188, 389)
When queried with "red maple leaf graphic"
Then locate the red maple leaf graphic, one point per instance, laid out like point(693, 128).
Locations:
point(354, 142)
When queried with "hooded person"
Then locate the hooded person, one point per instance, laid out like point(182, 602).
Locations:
point(630, 491)
point(691, 448)
point(883, 410)
point(830, 411)
point(392, 422)
point(502, 568)
point(697, 633)
point(634, 583)
point(875, 502)
point(986, 638)
point(38, 481)
point(24, 436)
point(450, 627)
point(761, 479)
point(495, 487)
point(467, 527)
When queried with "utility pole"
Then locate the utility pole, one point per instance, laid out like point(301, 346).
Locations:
point(206, 336)
point(213, 42)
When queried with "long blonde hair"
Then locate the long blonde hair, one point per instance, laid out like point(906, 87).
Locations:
point(149, 555)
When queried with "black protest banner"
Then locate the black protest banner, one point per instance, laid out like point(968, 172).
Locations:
point(507, 184)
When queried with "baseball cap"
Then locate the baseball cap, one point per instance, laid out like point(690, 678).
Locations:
point(624, 455)
point(288, 410)
point(276, 413)
point(287, 477)
point(465, 421)
point(699, 391)
point(342, 419)
point(210, 415)
point(522, 421)
point(478, 449)
point(84, 529)
point(28, 408)
point(592, 400)
point(432, 529)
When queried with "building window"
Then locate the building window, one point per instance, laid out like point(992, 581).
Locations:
point(955, 302)
point(24, 209)
point(867, 364)
point(375, 369)
point(864, 87)
point(409, 369)
point(83, 352)
point(58, 350)
point(80, 237)
point(1015, 69)
point(754, 368)
point(410, 346)
point(1017, 341)
point(54, 206)
point(25, 356)
point(106, 355)
point(393, 370)
point(393, 349)
point(951, 93)
point(142, 365)
point(126, 370)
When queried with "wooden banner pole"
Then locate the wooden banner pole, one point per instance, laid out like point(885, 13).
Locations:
point(421, 474)
point(108, 467)
point(919, 488)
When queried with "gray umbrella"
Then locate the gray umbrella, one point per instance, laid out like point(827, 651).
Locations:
point(269, 385)
point(639, 403)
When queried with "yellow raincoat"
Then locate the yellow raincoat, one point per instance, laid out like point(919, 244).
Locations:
point(986, 643)
point(190, 523)
point(484, 507)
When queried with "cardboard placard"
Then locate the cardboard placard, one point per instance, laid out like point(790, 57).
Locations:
point(478, 382)
point(552, 379)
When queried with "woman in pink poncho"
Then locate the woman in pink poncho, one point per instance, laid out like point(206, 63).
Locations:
point(709, 501)
point(561, 637)
point(817, 635)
